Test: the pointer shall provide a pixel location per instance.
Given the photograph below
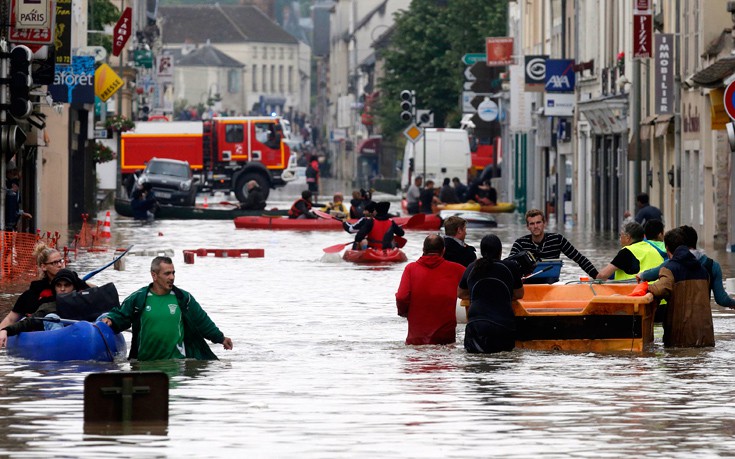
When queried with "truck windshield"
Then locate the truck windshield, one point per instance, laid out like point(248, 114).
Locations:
point(177, 170)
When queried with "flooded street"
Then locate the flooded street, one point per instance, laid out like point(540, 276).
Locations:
point(319, 368)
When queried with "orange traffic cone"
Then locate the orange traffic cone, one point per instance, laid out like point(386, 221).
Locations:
point(205, 202)
point(106, 227)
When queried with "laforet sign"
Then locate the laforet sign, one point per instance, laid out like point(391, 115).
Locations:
point(74, 84)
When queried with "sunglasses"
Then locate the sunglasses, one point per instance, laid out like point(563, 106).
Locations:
point(58, 262)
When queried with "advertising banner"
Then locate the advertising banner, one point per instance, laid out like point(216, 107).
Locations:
point(74, 84)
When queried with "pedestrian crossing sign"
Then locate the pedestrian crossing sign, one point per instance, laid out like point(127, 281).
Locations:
point(413, 133)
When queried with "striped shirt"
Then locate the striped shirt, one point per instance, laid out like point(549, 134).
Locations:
point(550, 248)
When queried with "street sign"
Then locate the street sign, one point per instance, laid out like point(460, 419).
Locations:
point(487, 110)
point(730, 100)
point(122, 31)
point(472, 58)
point(413, 133)
point(425, 118)
point(468, 75)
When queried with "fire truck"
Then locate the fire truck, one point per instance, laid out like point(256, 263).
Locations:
point(224, 153)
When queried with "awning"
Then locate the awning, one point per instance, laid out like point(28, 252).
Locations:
point(647, 126)
point(369, 146)
point(712, 76)
point(605, 115)
point(662, 124)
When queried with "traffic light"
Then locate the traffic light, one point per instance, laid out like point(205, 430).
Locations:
point(20, 82)
point(408, 100)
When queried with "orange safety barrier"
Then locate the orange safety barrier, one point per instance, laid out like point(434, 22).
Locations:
point(222, 253)
point(16, 253)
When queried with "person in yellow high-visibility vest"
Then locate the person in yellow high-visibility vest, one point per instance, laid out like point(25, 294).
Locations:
point(636, 255)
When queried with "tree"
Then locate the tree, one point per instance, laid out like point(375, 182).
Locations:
point(425, 54)
point(101, 13)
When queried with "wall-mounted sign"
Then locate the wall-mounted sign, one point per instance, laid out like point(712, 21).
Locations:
point(107, 82)
point(62, 42)
point(33, 14)
point(559, 75)
point(74, 84)
point(499, 51)
point(664, 80)
point(535, 72)
point(642, 36)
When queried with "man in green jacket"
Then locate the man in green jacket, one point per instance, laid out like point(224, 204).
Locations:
point(168, 323)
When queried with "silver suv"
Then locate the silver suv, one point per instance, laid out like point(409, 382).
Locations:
point(171, 181)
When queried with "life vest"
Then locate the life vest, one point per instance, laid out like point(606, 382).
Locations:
point(294, 212)
point(647, 255)
point(375, 236)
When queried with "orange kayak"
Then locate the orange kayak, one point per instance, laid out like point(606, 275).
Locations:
point(432, 222)
point(375, 256)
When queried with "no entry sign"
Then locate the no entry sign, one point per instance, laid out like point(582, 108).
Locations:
point(730, 100)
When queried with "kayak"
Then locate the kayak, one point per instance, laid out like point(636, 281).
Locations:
point(546, 272)
point(375, 256)
point(474, 219)
point(595, 317)
point(79, 341)
point(212, 212)
point(432, 222)
point(501, 207)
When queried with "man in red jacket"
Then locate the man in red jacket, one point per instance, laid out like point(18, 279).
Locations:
point(427, 295)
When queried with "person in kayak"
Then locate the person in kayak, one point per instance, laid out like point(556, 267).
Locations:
point(255, 199)
point(427, 295)
point(491, 285)
point(456, 249)
point(49, 262)
point(301, 208)
point(549, 246)
point(167, 322)
point(368, 213)
point(65, 282)
point(379, 231)
point(337, 207)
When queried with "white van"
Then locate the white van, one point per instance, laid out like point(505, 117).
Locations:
point(447, 155)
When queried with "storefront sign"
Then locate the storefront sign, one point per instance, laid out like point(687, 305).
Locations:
point(74, 84)
point(107, 82)
point(559, 75)
point(535, 72)
point(642, 36)
point(664, 80)
point(499, 51)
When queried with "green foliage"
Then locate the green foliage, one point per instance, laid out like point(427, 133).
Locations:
point(101, 13)
point(425, 54)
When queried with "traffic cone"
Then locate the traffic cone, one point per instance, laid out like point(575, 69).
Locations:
point(106, 227)
point(205, 202)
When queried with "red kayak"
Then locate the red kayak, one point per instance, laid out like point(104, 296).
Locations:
point(375, 256)
point(432, 222)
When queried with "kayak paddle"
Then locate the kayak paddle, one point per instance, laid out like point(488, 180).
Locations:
point(90, 274)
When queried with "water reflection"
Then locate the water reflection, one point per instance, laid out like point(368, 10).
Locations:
point(319, 369)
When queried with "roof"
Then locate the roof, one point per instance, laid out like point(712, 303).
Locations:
point(207, 56)
point(712, 76)
point(219, 24)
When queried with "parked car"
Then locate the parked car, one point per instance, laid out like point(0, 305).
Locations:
point(171, 180)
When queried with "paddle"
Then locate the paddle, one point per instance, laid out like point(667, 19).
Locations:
point(322, 214)
point(537, 272)
point(228, 203)
point(416, 220)
point(90, 274)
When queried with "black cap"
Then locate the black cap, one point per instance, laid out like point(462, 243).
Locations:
point(306, 194)
point(67, 275)
point(370, 207)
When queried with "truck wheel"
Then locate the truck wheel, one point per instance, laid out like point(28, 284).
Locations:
point(241, 190)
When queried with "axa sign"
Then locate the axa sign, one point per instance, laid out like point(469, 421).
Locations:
point(559, 75)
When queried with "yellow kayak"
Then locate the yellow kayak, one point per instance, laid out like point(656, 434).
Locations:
point(501, 207)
